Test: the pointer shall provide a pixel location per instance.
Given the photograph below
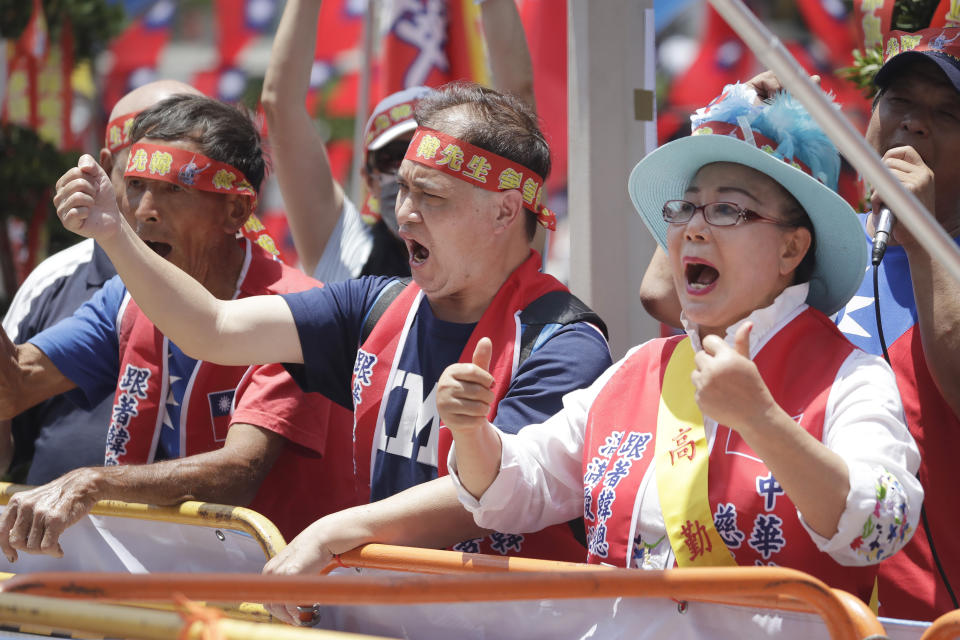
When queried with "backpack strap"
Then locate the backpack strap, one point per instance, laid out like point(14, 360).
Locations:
point(556, 307)
point(387, 295)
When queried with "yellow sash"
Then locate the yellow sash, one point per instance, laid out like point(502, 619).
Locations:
point(682, 456)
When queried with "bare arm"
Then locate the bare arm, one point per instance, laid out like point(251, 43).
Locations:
point(507, 45)
point(27, 377)
point(34, 520)
point(312, 198)
point(937, 296)
point(6, 446)
point(427, 515)
point(256, 330)
point(657, 293)
point(936, 293)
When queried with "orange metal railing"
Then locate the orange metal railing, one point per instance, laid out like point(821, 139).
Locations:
point(943, 628)
point(845, 617)
point(200, 514)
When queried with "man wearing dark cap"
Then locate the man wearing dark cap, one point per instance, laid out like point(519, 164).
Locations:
point(915, 127)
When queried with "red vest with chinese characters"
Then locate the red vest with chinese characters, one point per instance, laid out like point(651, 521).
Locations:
point(143, 385)
point(500, 322)
point(752, 514)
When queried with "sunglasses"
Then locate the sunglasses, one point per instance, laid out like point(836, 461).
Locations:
point(387, 158)
point(718, 214)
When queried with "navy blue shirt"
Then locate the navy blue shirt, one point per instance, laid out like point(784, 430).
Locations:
point(58, 435)
point(330, 321)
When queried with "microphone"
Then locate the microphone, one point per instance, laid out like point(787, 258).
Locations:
point(882, 235)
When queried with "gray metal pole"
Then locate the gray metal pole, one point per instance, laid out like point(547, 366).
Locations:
point(610, 128)
point(363, 99)
point(852, 145)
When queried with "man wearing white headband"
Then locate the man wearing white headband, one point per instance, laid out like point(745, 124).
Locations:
point(234, 435)
point(470, 199)
point(333, 241)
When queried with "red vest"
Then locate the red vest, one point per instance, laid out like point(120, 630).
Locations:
point(910, 584)
point(752, 514)
point(301, 487)
point(376, 366)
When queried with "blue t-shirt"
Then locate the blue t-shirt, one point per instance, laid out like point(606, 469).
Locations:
point(85, 348)
point(57, 436)
point(330, 321)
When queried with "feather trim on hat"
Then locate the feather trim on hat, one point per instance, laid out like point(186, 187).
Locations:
point(782, 119)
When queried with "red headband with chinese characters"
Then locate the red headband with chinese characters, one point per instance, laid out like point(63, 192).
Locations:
point(191, 169)
point(117, 136)
point(186, 168)
point(480, 168)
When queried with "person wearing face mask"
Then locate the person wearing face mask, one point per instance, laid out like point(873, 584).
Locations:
point(333, 240)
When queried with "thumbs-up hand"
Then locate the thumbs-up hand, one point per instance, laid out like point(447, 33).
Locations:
point(85, 201)
point(728, 385)
point(465, 392)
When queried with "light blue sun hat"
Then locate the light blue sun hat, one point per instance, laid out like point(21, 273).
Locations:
point(779, 139)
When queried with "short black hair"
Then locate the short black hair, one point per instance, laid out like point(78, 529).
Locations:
point(222, 132)
point(498, 122)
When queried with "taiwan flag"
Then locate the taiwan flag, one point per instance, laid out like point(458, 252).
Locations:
point(135, 52)
point(221, 408)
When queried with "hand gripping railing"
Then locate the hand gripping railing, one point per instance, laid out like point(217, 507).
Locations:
point(945, 627)
point(845, 617)
point(200, 514)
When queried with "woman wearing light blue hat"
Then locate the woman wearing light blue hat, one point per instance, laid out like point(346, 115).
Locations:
point(760, 437)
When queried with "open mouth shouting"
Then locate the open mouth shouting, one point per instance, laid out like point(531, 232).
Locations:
point(418, 253)
point(701, 276)
point(162, 249)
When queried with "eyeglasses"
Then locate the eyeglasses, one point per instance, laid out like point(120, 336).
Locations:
point(719, 214)
point(387, 159)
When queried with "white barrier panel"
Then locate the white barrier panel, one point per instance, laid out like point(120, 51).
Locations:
point(109, 543)
point(607, 619)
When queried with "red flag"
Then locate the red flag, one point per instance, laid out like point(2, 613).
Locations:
point(431, 42)
point(238, 23)
point(872, 18)
point(829, 22)
point(946, 14)
point(546, 30)
point(135, 51)
point(723, 59)
point(33, 40)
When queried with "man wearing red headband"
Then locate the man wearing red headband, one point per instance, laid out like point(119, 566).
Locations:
point(469, 203)
point(235, 435)
point(333, 241)
point(57, 436)
point(915, 127)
